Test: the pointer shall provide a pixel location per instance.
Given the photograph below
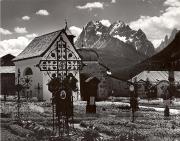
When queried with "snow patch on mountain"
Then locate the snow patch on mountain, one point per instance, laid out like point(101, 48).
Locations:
point(121, 38)
point(98, 33)
point(130, 39)
point(106, 23)
point(116, 26)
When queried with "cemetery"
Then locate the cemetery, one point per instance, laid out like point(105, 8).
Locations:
point(112, 121)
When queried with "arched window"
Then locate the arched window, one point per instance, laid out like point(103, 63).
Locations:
point(28, 71)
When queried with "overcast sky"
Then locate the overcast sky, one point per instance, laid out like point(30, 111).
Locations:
point(22, 20)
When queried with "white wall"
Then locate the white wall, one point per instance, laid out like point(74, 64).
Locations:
point(36, 77)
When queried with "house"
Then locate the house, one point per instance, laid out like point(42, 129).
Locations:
point(7, 75)
point(159, 79)
point(43, 51)
point(162, 69)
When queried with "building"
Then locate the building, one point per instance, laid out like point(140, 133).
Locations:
point(93, 68)
point(42, 53)
point(109, 85)
point(158, 79)
point(161, 70)
point(7, 75)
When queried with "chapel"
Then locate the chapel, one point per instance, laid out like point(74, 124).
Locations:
point(38, 62)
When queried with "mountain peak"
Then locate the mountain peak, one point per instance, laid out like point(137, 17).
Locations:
point(167, 40)
point(140, 34)
point(140, 31)
point(90, 23)
point(116, 27)
point(118, 24)
point(96, 35)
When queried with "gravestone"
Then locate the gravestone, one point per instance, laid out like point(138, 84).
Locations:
point(92, 87)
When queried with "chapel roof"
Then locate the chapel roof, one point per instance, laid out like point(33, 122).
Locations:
point(156, 76)
point(38, 46)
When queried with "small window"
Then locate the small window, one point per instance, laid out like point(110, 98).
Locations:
point(28, 71)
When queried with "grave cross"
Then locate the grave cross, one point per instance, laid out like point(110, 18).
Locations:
point(59, 60)
point(59, 63)
point(39, 87)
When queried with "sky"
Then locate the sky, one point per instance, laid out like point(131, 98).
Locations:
point(23, 20)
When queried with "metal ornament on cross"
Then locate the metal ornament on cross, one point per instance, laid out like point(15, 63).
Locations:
point(62, 60)
point(19, 87)
point(131, 88)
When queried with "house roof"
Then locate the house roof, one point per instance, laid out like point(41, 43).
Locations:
point(7, 56)
point(38, 46)
point(6, 60)
point(162, 59)
point(92, 78)
point(155, 76)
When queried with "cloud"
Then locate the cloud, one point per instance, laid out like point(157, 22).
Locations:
point(15, 46)
point(20, 30)
point(106, 22)
point(5, 31)
point(157, 27)
point(75, 31)
point(147, 1)
point(33, 35)
point(26, 18)
point(113, 1)
point(92, 5)
point(174, 3)
point(42, 12)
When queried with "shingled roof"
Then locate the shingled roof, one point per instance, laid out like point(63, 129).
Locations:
point(38, 46)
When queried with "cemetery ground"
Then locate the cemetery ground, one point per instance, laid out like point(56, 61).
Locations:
point(112, 121)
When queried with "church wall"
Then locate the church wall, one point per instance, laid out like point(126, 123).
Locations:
point(36, 77)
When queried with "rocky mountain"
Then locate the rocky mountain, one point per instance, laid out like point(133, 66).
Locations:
point(95, 34)
point(167, 40)
point(118, 45)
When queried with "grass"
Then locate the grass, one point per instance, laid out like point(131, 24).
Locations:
point(110, 120)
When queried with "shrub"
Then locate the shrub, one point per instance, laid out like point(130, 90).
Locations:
point(20, 130)
point(124, 107)
point(147, 109)
point(83, 124)
point(90, 135)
